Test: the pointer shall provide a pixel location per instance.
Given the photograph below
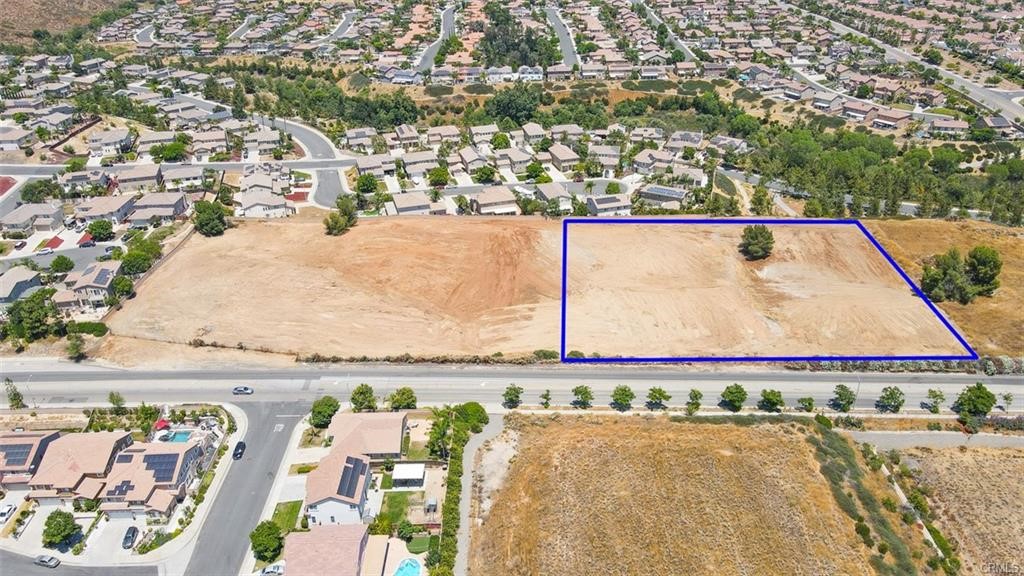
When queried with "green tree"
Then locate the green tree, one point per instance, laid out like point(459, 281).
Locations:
point(335, 224)
point(323, 411)
point(1007, 401)
point(843, 398)
point(757, 242)
point(983, 267)
point(209, 218)
point(693, 402)
point(117, 401)
point(500, 141)
point(101, 230)
point(545, 399)
point(975, 400)
point(363, 399)
point(34, 316)
point(15, 401)
point(518, 103)
point(136, 262)
point(584, 396)
point(622, 397)
point(61, 264)
point(945, 278)
point(438, 176)
point(60, 527)
point(657, 397)
point(534, 170)
point(771, 401)
point(123, 286)
point(935, 400)
point(76, 347)
point(366, 184)
point(612, 188)
point(891, 400)
point(760, 202)
point(238, 103)
point(806, 403)
point(402, 399)
point(734, 396)
point(485, 174)
point(512, 396)
point(406, 530)
point(266, 540)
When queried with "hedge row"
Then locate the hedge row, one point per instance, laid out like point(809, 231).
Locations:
point(93, 328)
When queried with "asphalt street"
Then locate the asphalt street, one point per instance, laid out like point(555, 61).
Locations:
point(447, 28)
point(17, 565)
point(653, 13)
point(224, 538)
point(341, 30)
point(565, 41)
point(241, 30)
point(82, 257)
point(145, 34)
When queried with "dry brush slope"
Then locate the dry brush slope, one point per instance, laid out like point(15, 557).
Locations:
point(632, 496)
point(977, 496)
point(991, 325)
point(18, 18)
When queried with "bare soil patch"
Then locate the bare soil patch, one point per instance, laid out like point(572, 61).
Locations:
point(389, 286)
point(685, 290)
point(649, 496)
point(976, 498)
point(991, 325)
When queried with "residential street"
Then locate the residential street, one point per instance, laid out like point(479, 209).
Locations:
point(447, 27)
point(565, 40)
point(17, 565)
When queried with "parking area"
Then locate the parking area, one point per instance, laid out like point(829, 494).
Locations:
point(104, 544)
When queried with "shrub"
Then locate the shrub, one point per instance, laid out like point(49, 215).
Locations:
point(92, 328)
point(823, 421)
point(266, 540)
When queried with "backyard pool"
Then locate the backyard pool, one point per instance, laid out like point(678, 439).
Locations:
point(408, 567)
point(180, 436)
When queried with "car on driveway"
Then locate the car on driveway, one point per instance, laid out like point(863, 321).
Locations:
point(45, 251)
point(46, 561)
point(20, 244)
point(273, 570)
point(242, 390)
point(239, 451)
point(5, 512)
point(128, 542)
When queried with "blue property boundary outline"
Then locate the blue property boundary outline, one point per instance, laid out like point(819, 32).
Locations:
point(970, 355)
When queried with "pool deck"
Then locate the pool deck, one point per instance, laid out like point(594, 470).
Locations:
point(383, 555)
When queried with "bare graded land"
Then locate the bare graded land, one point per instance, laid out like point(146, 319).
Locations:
point(661, 290)
point(627, 495)
point(424, 286)
point(976, 497)
point(991, 325)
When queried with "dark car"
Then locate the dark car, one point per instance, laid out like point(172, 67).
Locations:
point(129, 538)
point(239, 451)
point(87, 244)
point(46, 561)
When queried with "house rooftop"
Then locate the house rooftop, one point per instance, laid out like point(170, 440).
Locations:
point(334, 549)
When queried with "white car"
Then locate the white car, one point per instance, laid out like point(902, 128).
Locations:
point(6, 512)
point(242, 391)
point(45, 251)
point(273, 570)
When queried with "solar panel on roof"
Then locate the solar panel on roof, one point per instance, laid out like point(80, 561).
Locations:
point(16, 454)
point(162, 466)
point(354, 469)
point(121, 489)
point(124, 458)
point(102, 276)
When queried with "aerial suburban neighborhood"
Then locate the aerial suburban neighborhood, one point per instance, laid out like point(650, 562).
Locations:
point(537, 287)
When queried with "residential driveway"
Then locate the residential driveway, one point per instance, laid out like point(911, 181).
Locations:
point(15, 498)
point(294, 488)
point(392, 184)
point(555, 173)
point(104, 545)
point(463, 179)
point(508, 176)
point(31, 541)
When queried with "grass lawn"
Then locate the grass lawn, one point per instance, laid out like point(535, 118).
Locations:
point(395, 506)
point(286, 515)
point(418, 545)
point(5, 247)
point(162, 233)
point(386, 482)
point(725, 184)
point(417, 451)
point(902, 106)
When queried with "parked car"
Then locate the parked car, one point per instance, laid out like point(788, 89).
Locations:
point(45, 251)
point(20, 244)
point(239, 451)
point(87, 244)
point(46, 561)
point(129, 538)
point(242, 390)
point(110, 249)
point(273, 570)
point(6, 512)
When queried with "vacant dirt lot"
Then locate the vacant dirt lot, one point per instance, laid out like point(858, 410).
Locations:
point(390, 286)
point(637, 496)
point(685, 290)
point(991, 325)
point(435, 286)
point(977, 495)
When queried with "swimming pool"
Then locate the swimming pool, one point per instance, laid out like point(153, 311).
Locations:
point(409, 567)
point(180, 436)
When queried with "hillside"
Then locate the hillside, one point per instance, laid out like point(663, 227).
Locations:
point(18, 18)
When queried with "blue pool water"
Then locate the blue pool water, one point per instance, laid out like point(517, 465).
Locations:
point(408, 567)
point(180, 436)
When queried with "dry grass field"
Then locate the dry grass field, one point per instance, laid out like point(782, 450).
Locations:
point(685, 290)
point(977, 496)
point(621, 495)
point(991, 325)
point(18, 18)
point(433, 286)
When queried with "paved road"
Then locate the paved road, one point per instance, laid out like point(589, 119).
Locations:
point(241, 30)
point(653, 13)
point(819, 86)
point(12, 564)
point(565, 39)
point(447, 29)
point(340, 30)
point(992, 99)
point(224, 537)
point(145, 35)
point(82, 257)
point(12, 198)
point(328, 188)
